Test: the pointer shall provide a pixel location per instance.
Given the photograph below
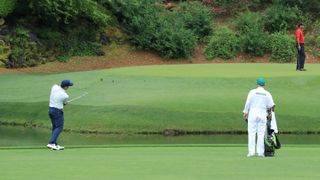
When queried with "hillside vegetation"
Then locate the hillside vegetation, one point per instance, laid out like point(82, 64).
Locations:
point(34, 32)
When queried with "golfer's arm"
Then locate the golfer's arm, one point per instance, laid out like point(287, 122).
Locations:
point(65, 100)
point(298, 39)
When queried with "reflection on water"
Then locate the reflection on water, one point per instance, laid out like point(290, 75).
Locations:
point(18, 136)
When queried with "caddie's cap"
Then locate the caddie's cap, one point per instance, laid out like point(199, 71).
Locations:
point(66, 83)
point(261, 82)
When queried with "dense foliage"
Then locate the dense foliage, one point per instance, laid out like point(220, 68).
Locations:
point(307, 6)
point(282, 47)
point(223, 44)
point(76, 40)
point(251, 33)
point(60, 29)
point(313, 40)
point(195, 17)
point(25, 49)
point(66, 11)
point(6, 7)
point(170, 34)
point(231, 7)
point(280, 18)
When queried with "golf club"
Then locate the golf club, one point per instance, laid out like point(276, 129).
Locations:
point(76, 98)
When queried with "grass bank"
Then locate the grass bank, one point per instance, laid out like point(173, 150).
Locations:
point(195, 98)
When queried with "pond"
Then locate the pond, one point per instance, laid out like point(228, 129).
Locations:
point(19, 136)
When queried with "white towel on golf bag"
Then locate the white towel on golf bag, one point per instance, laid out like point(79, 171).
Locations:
point(274, 123)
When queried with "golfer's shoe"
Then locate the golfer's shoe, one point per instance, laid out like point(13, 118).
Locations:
point(57, 148)
point(51, 146)
point(60, 147)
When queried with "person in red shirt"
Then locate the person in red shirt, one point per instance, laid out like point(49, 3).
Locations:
point(300, 47)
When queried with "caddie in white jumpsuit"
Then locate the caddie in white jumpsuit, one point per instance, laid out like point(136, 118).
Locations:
point(255, 112)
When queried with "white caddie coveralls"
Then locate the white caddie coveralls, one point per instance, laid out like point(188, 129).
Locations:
point(258, 101)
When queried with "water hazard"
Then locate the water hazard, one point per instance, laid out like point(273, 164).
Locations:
point(19, 136)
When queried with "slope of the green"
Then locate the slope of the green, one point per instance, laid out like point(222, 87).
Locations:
point(206, 97)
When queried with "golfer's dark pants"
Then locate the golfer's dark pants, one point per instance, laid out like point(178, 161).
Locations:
point(57, 120)
point(300, 57)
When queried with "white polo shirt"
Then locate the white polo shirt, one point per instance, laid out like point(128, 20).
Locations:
point(258, 99)
point(58, 96)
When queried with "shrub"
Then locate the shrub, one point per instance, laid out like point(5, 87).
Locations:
point(254, 42)
point(251, 34)
point(247, 20)
point(151, 27)
point(4, 52)
point(222, 7)
point(142, 22)
point(310, 6)
point(282, 47)
point(313, 39)
point(196, 17)
point(174, 42)
point(25, 52)
point(72, 40)
point(6, 7)
point(223, 44)
point(279, 18)
point(66, 11)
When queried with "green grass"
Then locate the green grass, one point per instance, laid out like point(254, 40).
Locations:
point(172, 163)
point(206, 97)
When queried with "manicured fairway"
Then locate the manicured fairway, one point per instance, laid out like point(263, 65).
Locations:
point(172, 163)
point(206, 97)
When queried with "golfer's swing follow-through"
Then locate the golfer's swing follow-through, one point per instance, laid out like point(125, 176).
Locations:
point(58, 99)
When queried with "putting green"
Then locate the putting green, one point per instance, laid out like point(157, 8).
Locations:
point(206, 97)
point(172, 163)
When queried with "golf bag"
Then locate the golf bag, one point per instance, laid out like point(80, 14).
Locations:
point(271, 141)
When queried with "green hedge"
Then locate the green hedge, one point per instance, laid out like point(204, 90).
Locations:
point(223, 44)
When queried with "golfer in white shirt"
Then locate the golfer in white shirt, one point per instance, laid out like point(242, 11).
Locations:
point(58, 98)
point(255, 112)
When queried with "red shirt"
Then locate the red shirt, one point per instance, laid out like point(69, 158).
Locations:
point(299, 36)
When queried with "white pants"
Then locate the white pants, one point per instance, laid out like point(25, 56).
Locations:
point(256, 128)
